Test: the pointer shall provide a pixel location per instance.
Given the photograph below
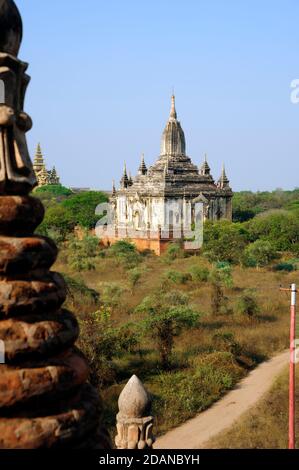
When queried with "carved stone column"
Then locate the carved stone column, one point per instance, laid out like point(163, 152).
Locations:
point(45, 398)
point(134, 423)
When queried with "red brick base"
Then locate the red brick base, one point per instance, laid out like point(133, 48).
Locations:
point(158, 246)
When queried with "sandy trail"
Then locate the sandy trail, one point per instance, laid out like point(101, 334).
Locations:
point(197, 431)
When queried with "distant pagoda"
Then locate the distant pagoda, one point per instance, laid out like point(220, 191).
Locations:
point(141, 204)
point(44, 176)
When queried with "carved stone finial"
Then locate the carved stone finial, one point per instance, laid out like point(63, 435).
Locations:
point(10, 28)
point(134, 425)
point(134, 401)
point(45, 399)
point(16, 171)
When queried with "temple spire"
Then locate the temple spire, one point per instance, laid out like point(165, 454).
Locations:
point(143, 168)
point(39, 167)
point(173, 139)
point(53, 176)
point(205, 169)
point(223, 181)
point(38, 159)
point(113, 188)
point(173, 113)
point(125, 180)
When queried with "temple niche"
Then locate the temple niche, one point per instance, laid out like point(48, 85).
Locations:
point(153, 208)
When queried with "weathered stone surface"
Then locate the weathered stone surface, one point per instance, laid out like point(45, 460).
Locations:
point(134, 425)
point(21, 297)
point(134, 401)
point(20, 214)
point(66, 428)
point(45, 400)
point(38, 335)
point(56, 374)
point(20, 255)
point(10, 27)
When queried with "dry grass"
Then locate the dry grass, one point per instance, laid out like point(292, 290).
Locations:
point(265, 427)
point(258, 338)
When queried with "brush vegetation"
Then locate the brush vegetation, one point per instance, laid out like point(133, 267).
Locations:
point(190, 326)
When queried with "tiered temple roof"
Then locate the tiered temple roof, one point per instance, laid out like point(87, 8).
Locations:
point(174, 174)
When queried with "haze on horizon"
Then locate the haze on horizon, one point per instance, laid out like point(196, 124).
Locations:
point(103, 73)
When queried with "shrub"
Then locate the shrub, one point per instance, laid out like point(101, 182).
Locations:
point(174, 251)
point(294, 262)
point(177, 277)
point(102, 341)
point(284, 267)
point(247, 304)
point(259, 253)
point(82, 254)
point(111, 294)
point(199, 273)
point(134, 276)
point(179, 395)
point(167, 315)
point(220, 278)
point(226, 342)
point(125, 253)
point(80, 298)
point(55, 235)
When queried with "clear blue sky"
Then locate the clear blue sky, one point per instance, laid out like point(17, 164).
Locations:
point(103, 72)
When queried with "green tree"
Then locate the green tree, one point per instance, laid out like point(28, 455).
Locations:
point(59, 219)
point(82, 254)
point(167, 316)
point(259, 253)
point(224, 241)
point(220, 277)
point(82, 207)
point(247, 204)
point(281, 229)
point(52, 194)
point(54, 190)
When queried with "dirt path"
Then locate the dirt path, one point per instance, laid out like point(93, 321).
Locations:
point(197, 431)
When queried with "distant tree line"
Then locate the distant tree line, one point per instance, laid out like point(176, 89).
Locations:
point(66, 210)
point(247, 204)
